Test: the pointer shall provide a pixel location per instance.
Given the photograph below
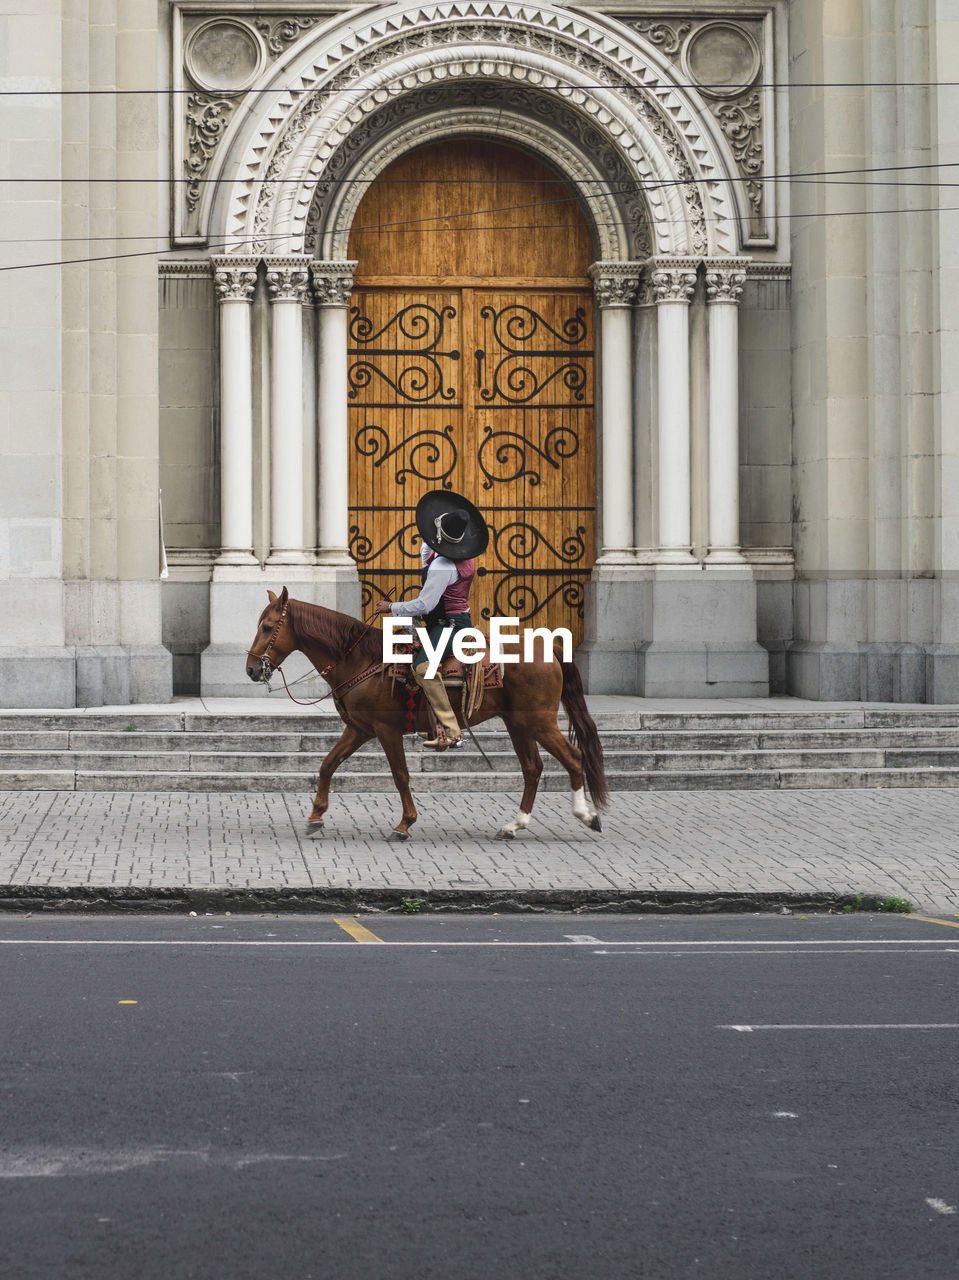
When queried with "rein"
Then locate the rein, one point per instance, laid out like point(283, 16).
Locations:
point(269, 669)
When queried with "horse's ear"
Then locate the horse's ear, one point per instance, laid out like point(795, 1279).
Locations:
point(272, 596)
point(284, 596)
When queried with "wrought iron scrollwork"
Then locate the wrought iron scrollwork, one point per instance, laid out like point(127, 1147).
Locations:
point(516, 325)
point(518, 383)
point(360, 546)
point(425, 450)
point(417, 323)
point(420, 381)
point(511, 451)
point(516, 596)
point(519, 540)
point(512, 331)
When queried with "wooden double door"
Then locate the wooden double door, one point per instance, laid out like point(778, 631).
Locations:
point(482, 384)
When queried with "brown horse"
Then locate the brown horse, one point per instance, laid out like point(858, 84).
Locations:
point(349, 656)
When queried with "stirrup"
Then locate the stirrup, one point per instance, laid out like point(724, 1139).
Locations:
point(441, 742)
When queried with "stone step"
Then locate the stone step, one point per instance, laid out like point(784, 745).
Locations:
point(467, 760)
point(480, 782)
point(491, 737)
point(275, 720)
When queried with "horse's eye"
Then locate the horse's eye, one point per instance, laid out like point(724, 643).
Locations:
point(266, 627)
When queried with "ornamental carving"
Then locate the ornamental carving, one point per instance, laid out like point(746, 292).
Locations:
point(724, 281)
point(674, 282)
point(332, 282)
point(207, 117)
point(222, 57)
point(620, 184)
point(287, 281)
point(615, 283)
point(452, 35)
point(734, 52)
point(668, 36)
point(279, 33)
point(235, 278)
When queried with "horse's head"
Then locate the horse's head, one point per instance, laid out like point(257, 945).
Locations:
point(274, 640)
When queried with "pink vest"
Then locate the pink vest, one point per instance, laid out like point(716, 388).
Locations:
point(456, 597)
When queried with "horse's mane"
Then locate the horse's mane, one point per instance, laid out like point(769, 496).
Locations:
point(336, 632)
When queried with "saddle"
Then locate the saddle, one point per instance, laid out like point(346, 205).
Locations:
point(473, 678)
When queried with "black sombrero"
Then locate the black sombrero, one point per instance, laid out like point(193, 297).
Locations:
point(450, 525)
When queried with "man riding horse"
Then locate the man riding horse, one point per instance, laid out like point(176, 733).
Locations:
point(453, 533)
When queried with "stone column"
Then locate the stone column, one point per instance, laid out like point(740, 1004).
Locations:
point(287, 282)
point(724, 286)
point(332, 284)
point(615, 603)
point(235, 279)
point(673, 281)
point(615, 285)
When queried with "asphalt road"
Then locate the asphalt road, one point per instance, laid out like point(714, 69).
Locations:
point(563, 1096)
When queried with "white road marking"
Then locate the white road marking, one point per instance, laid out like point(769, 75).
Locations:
point(580, 937)
point(785, 1115)
point(873, 949)
point(940, 1206)
point(841, 1026)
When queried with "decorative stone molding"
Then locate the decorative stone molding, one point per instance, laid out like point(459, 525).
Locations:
point(287, 280)
point(217, 57)
point(529, 117)
point(725, 280)
point(332, 282)
point(207, 118)
point(279, 33)
point(188, 269)
point(735, 49)
point(355, 70)
point(768, 271)
point(235, 278)
point(615, 283)
point(519, 63)
point(674, 281)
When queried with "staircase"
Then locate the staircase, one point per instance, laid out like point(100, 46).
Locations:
point(645, 751)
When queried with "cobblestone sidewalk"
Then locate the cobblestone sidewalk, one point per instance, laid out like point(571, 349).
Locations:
point(892, 843)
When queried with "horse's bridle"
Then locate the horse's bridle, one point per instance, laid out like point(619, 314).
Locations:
point(266, 666)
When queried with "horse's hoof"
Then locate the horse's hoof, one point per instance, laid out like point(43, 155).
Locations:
point(398, 835)
point(314, 829)
point(506, 835)
point(594, 823)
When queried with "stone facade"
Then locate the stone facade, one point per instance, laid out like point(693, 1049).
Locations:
point(778, 506)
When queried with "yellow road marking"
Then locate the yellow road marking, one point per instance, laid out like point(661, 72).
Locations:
point(355, 930)
point(950, 924)
point(126, 1002)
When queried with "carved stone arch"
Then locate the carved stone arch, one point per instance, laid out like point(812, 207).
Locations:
point(613, 206)
point(354, 68)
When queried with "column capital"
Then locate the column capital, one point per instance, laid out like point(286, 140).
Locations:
point(287, 278)
point(615, 283)
point(332, 282)
point(725, 278)
point(673, 279)
point(234, 277)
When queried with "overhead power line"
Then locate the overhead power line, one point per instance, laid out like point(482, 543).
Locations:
point(300, 91)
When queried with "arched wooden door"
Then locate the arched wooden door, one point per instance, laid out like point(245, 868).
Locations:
point(471, 368)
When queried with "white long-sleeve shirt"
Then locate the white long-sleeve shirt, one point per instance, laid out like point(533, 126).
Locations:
point(441, 574)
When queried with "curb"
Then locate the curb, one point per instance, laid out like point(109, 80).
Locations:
point(90, 900)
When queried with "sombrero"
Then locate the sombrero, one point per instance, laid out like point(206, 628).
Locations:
point(450, 525)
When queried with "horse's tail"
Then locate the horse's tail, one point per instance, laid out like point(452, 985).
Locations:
point(584, 734)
